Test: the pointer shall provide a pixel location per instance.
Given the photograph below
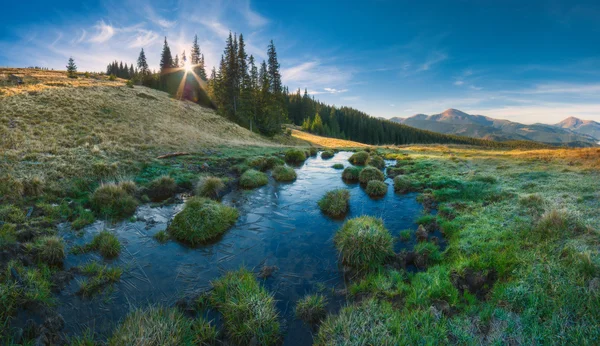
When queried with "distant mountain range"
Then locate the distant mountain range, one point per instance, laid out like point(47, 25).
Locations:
point(571, 131)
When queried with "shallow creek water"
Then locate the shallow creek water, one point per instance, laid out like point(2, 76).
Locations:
point(280, 225)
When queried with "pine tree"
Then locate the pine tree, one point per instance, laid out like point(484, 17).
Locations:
point(166, 60)
point(274, 75)
point(142, 64)
point(183, 59)
point(131, 71)
point(176, 61)
point(71, 68)
point(195, 54)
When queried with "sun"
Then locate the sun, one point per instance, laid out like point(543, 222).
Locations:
point(188, 66)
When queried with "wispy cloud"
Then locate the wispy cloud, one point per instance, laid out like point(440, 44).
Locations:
point(434, 59)
point(315, 74)
point(103, 32)
point(80, 38)
point(143, 38)
point(562, 88)
point(158, 20)
point(254, 19)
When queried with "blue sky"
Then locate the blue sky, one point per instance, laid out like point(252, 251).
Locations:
point(526, 61)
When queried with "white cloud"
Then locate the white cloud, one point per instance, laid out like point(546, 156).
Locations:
point(104, 32)
point(317, 75)
point(143, 38)
point(432, 60)
point(459, 82)
point(563, 88)
point(81, 37)
point(156, 19)
point(216, 27)
point(254, 19)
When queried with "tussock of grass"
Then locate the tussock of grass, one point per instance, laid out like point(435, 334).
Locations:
point(295, 156)
point(156, 326)
point(338, 166)
point(364, 243)
point(385, 284)
point(210, 187)
point(33, 186)
point(263, 163)
point(161, 236)
point(161, 188)
point(106, 243)
point(370, 173)
point(253, 178)
point(368, 323)
point(327, 154)
point(335, 203)
point(392, 172)
point(376, 188)
point(11, 213)
point(11, 189)
point(113, 201)
point(376, 161)
point(284, 173)
point(8, 235)
point(402, 184)
point(50, 250)
point(351, 174)
point(100, 277)
point(202, 220)
point(311, 308)
point(84, 218)
point(247, 308)
point(360, 158)
point(313, 151)
point(429, 252)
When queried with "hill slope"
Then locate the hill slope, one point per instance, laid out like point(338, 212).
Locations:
point(51, 118)
point(584, 127)
point(455, 122)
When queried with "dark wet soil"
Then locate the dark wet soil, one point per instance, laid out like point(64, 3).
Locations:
point(281, 235)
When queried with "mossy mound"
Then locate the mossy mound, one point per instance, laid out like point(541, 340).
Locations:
point(335, 203)
point(295, 156)
point(351, 174)
point(253, 178)
point(376, 161)
point(114, 200)
point(364, 243)
point(359, 158)
point(161, 188)
point(157, 326)
point(263, 163)
point(210, 187)
point(313, 151)
point(370, 173)
point(338, 166)
point(284, 173)
point(327, 154)
point(248, 309)
point(201, 221)
point(376, 188)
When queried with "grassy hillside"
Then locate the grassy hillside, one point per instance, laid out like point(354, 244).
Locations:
point(58, 127)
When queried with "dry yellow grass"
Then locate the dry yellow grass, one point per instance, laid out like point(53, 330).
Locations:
point(326, 141)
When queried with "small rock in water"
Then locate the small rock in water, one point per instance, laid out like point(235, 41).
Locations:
point(421, 233)
point(267, 271)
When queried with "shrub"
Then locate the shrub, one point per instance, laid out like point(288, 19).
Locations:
point(50, 250)
point(376, 188)
point(112, 200)
point(359, 158)
point(370, 173)
point(157, 326)
point(368, 323)
point(8, 235)
point(210, 187)
point(351, 174)
point(161, 188)
point(338, 166)
point(129, 83)
point(283, 173)
point(201, 221)
point(335, 203)
point(106, 244)
point(311, 308)
point(364, 243)
point(253, 178)
point(112, 77)
point(247, 308)
point(327, 154)
point(402, 184)
point(295, 156)
point(376, 161)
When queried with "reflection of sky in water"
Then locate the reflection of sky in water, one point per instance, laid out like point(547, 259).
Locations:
point(280, 224)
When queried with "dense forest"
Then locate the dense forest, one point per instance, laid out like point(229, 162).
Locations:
point(252, 95)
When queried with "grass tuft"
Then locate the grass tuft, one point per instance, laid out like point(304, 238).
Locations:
point(370, 173)
point(311, 308)
point(107, 244)
point(210, 187)
point(335, 203)
point(253, 178)
point(360, 158)
point(327, 154)
point(202, 220)
point(284, 173)
point(113, 201)
point(351, 174)
point(161, 188)
point(156, 326)
point(338, 166)
point(50, 250)
point(376, 188)
point(364, 243)
point(402, 184)
point(376, 161)
point(247, 308)
point(161, 236)
point(295, 156)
